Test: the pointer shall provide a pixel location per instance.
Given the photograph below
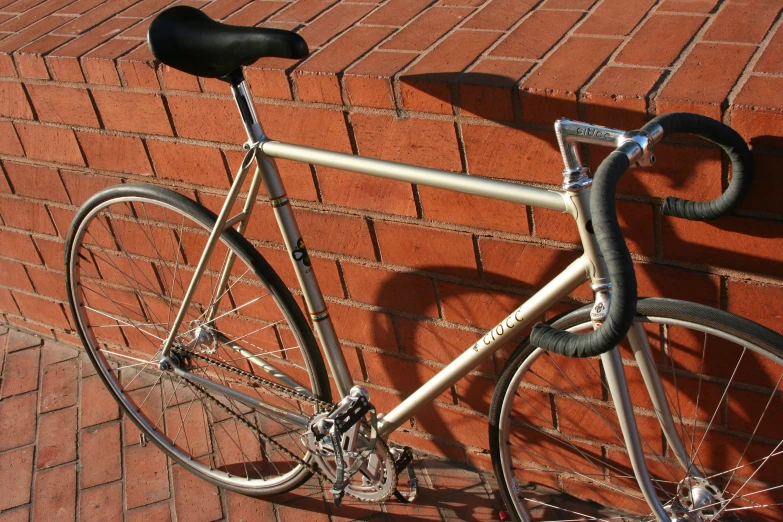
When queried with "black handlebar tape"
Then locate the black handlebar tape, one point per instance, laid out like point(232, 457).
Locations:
point(621, 272)
point(734, 147)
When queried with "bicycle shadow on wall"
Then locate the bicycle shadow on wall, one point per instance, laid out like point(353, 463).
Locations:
point(470, 307)
point(655, 279)
point(693, 172)
point(495, 98)
point(457, 424)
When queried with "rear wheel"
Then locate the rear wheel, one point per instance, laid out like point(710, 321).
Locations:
point(130, 257)
point(558, 449)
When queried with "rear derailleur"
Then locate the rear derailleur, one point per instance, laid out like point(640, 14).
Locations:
point(345, 445)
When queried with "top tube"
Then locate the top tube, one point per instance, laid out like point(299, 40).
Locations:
point(478, 186)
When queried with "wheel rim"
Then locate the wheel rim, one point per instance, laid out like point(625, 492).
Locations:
point(134, 256)
point(725, 419)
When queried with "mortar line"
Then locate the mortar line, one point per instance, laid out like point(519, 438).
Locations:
point(683, 56)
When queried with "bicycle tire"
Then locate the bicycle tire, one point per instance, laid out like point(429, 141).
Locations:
point(123, 255)
point(553, 463)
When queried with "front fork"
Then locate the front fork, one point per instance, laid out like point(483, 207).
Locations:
point(577, 183)
point(621, 397)
point(615, 375)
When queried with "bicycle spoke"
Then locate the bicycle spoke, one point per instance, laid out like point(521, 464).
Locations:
point(182, 423)
point(747, 481)
point(152, 388)
point(723, 397)
point(589, 517)
point(620, 439)
point(756, 507)
point(259, 355)
point(176, 268)
point(126, 357)
point(135, 263)
point(227, 313)
point(562, 438)
point(755, 429)
point(125, 323)
point(132, 264)
point(568, 440)
point(572, 456)
point(773, 454)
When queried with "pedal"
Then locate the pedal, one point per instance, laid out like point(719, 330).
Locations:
point(343, 420)
point(345, 414)
point(403, 460)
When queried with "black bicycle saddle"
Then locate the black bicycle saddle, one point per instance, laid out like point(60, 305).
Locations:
point(184, 38)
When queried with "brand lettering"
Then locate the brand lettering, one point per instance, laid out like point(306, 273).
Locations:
point(594, 133)
point(509, 323)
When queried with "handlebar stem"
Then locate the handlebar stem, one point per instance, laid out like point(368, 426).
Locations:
point(570, 133)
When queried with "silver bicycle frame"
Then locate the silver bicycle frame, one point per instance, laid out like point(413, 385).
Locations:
point(574, 200)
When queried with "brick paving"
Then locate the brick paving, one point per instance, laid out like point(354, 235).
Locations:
point(412, 275)
point(66, 454)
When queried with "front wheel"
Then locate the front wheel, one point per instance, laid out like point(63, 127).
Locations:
point(557, 446)
point(130, 256)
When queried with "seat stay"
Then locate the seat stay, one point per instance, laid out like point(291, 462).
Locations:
point(252, 193)
point(206, 255)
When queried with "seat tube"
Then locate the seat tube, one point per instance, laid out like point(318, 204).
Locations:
point(292, 238)
point(244, 102)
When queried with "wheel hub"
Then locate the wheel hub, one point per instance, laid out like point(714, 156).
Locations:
point(204, 338)
point(699, 500)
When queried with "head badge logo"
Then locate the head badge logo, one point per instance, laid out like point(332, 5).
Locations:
point(300, 253)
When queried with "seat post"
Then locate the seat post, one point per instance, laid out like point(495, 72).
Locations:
point(244, 99)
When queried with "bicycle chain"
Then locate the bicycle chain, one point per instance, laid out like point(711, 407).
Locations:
point(323, 407)
point(264, 436)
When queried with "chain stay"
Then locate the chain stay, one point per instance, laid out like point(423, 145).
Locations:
point(248, 424)
point(322, 405)
point(264, 436)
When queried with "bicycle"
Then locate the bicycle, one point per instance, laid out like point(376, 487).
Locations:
point(205, 348)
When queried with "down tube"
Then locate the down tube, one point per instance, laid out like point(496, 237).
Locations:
point(565, 282)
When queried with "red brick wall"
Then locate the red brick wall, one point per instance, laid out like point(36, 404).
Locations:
point(412, 274)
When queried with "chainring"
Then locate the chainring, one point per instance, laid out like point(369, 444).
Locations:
point(376, 479)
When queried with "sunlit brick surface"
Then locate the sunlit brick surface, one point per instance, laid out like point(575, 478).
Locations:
point(411, 274)
point(84, 461)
